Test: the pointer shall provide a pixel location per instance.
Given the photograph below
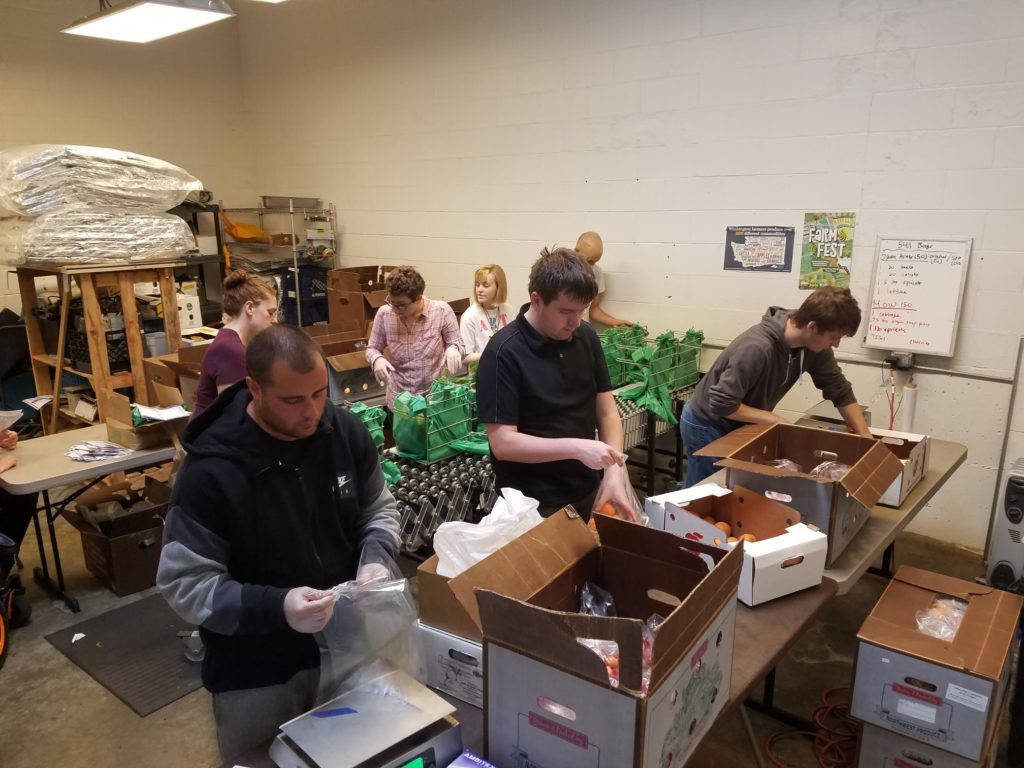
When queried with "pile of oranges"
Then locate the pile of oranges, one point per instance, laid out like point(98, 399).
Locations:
point(726, 529)
point(604, 509)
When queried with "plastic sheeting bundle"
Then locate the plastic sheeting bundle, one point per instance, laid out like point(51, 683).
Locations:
point(84, 238)
point(45, 178)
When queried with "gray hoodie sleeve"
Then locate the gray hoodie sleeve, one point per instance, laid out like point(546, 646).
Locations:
point(738, 379)
point(829, 378)
point(378, 511)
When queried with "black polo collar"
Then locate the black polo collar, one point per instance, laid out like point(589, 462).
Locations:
point(534, 339)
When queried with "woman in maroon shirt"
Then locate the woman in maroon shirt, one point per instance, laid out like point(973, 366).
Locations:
point(250, 302)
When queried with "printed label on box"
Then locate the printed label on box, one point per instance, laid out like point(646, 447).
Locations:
point(915, 710)
point(967, 697)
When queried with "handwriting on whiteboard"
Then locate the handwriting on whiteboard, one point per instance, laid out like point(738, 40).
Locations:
point(916, 294)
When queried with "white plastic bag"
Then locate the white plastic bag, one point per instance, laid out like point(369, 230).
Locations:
point(462, 545)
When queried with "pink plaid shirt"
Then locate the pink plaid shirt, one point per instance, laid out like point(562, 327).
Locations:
point(417, 350)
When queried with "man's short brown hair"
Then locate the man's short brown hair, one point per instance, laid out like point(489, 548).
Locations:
point(280, 344)
point(405, 281)
point(559, 271)
point(831, 309)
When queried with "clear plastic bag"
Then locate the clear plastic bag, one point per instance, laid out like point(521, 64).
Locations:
point(373, 621)
point(942, 618)
point(616, 498)
point(831, 470)
point(43, 178)
point(792, 466)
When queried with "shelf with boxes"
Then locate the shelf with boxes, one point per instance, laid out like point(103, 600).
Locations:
point(296, 260)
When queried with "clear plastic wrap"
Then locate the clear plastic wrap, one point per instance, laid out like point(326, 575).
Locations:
point(44, 178)
point(792, 466)
point(86, 238)
point(831, 470)
point(942, 618)
point(373, 626)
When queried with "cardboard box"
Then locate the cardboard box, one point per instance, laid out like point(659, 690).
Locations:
point(549, 699)
point(186, 364)
point(946, 693)
point(879, 748)
point(837, 507)
point(470, 760)
point(349, 376)
point(123, 553)
point(156, 371)
point(344, 307)
point(454, 665)
point(118, 417)
point(912, 450)
point(787, 557)
point(358, 279)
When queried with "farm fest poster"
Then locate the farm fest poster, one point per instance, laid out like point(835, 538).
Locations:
point(827, 250)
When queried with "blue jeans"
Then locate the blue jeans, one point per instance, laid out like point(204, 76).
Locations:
point(698, 432)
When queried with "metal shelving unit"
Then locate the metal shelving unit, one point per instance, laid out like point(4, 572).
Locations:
point(314, 219)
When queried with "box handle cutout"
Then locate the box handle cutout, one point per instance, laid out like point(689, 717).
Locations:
point(893, 441)
point(922, 684)
point(785, 498)
point(552, 706)
point(796, 560)
point(827, 455)
point(663, 597)
point(146, 543)
point(916, 757)
point(465, 658)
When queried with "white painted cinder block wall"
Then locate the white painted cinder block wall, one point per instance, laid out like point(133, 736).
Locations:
point(179, 99)
point(458, 133)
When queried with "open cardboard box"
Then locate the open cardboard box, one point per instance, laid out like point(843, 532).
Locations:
point(186, 364)
point(549, 697)
point(349, 374)
point(942, 692)
point(345, 307)
point(786, 557)
point(912, 450)
point(118, 410)
point(358, 279)
point(837, 507)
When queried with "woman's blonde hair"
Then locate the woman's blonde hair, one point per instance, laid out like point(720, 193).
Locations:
point(499, 280)
point(241, 286)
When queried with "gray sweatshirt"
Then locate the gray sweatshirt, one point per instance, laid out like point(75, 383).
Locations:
point(758, 368)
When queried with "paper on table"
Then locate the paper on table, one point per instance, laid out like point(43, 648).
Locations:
point(150, 413)
point(7, 418)
point(37, 403)
point(97, 450)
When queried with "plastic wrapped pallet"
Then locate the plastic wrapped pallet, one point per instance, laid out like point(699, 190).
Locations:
point(45, 178)
point(92, 238)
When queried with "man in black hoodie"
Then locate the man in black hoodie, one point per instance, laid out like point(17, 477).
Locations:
point(760, 366)
point(279, 495)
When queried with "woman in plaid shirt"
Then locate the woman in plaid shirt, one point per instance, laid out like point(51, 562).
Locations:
point(421, 335)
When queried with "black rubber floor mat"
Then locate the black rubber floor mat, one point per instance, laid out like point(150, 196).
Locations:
point(135, 653)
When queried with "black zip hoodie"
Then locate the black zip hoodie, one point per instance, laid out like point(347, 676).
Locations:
point(758, 368)
point(252, 517)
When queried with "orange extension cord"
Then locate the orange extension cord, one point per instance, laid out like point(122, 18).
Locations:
point(835, 741)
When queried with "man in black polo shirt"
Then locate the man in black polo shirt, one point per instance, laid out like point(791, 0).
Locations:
point(543, 391)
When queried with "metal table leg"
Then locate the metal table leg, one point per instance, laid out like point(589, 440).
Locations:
point(42, 573)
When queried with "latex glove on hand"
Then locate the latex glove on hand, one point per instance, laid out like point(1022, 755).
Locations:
point(372, 572)
point(453, 360)
point(382, 369)
point(308, 610)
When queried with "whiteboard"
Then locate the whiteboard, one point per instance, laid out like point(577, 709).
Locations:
point(916, 294)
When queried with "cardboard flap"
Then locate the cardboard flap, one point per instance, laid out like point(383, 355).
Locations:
point(376, 299)
point(187, 370)
point(732, 442)
point(193, 354)
point(936, 582)
point(528, 563)
point(116, 406)
point(870, 477)
point(767, 469)
point(619, 534)
point(166, 396)
point(552, 636)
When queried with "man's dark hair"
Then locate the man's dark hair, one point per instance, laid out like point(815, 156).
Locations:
point(280, 343)
point(832, 309)
point(559, 271)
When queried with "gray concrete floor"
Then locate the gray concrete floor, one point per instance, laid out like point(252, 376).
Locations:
point(52, 713)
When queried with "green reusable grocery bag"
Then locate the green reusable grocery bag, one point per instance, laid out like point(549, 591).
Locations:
point(373, 417)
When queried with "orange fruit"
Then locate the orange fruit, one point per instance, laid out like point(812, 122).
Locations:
point(608, 509)
point(724, 527)
point(732, 540)
point(709, 519)
point(749, 537)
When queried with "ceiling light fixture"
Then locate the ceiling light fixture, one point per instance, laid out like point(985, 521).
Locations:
point(143, 21)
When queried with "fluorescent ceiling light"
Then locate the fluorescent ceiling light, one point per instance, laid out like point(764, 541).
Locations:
point(142, 21)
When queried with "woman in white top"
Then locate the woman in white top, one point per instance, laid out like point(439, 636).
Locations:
point(489, 313)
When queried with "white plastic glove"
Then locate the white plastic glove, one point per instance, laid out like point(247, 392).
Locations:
point(372, 572)
point(308, 610)
point(382, 369)
point(453, 360)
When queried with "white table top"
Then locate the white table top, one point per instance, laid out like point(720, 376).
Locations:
point(886, 523)
point(42, 464)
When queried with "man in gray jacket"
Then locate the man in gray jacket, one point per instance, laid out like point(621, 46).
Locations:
point(760, 366)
